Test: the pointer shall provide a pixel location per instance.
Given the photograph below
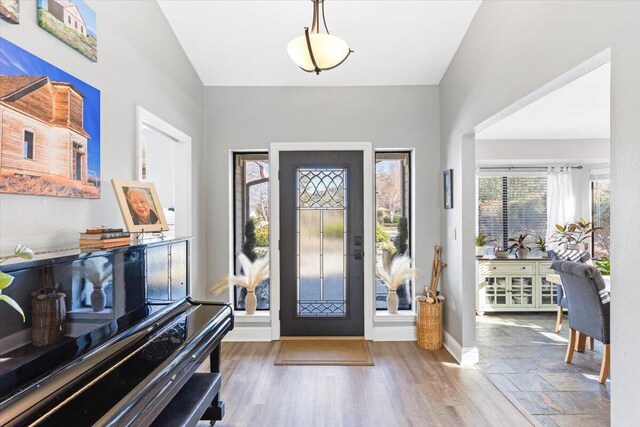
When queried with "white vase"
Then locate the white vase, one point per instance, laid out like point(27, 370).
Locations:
point(523, 253)
point(250, 302)
point(479, 251)
point(392, 302)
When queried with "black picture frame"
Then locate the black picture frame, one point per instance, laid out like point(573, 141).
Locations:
point(447, 177)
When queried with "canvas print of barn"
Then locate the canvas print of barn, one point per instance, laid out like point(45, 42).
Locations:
point(50, 133)
point(73, 22)
point(10, 11)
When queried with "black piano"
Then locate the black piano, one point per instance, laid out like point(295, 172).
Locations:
point(132, 363)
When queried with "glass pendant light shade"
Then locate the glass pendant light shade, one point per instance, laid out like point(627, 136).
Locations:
point(315, 51)
point(329, 51)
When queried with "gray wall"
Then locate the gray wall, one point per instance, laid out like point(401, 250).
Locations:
point(510, 50)
point(253, 117)
point(139, 62)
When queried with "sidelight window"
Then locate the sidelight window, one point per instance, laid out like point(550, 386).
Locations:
point(251, 204)
point(393, 218)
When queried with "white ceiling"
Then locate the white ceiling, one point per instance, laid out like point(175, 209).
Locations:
point(243, 43)
point(579, 110)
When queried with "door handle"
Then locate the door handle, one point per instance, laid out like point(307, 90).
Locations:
point(358, 254)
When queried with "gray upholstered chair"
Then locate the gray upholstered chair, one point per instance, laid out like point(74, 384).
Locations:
point(567, 255)
point(589, 307)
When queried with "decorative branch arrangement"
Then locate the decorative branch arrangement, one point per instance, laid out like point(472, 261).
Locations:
point(399, 272)
point(253, 274)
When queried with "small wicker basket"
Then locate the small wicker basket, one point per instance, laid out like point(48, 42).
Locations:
point(48, 318)
point(430, 324)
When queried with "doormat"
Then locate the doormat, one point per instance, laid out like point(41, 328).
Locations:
point(324, 351)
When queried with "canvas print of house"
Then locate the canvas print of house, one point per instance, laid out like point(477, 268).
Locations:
point(10, 11)
point(50, 133)
point(73, 22)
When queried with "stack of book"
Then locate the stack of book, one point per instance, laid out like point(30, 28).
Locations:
point(104, 238)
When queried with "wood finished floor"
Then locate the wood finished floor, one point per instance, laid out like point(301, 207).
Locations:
point(524, 357)
point(407, 386)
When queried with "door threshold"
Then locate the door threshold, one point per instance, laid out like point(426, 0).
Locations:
point(320, 338)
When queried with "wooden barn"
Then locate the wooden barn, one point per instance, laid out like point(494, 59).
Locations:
point(42, 128)
point(68, 13)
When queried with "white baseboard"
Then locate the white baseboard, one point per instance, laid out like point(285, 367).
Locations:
point(394, 333)
point(463, 355)
point(248, 334)
point(14, 341)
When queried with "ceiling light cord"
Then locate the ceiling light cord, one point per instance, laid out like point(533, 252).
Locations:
point(324, 20)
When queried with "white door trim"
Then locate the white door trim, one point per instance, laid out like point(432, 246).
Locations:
point(369, 233)
point(145, 118)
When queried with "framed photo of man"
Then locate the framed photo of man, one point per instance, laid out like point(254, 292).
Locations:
point(140, 206)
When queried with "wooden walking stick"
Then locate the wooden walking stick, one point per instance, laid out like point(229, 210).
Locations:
point(438, 265)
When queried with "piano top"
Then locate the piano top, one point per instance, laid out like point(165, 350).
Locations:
point(115, 374)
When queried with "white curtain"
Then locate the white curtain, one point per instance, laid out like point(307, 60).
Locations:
point(560, 199)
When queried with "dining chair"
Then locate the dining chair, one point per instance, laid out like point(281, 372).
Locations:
point(567, 255)
point(589, 307)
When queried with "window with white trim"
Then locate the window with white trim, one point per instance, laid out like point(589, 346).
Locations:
point(251, 203)
point(510, 205)
point(393, 207)
point(600, 213)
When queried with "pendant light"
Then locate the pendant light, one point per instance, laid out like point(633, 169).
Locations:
point(316, 51)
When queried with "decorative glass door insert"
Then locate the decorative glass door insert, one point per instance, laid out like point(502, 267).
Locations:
point(321, 205)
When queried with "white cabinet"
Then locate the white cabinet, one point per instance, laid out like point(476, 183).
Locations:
point(514, 285)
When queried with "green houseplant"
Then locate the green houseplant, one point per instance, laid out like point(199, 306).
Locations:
point(520, 246)
point(575, 234)
point(604, 265)
point(6, 279)
point(541, 244)
point(481, 241)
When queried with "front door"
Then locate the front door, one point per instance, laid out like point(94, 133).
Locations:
point(321, 244)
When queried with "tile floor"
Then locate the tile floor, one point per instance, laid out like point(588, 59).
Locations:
point(523, 356)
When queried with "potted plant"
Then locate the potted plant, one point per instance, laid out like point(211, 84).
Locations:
point(519, 245)
point(574, 234)
point(6, 279)
point(541, 244)
point(253, 273)
point(481, 241)
point(604, 265)
point(394, 278)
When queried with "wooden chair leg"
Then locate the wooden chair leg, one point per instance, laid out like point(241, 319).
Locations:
point(581, 339)
point(570, 345)
point(606, 362)
point(590, 343)
point(559, 320)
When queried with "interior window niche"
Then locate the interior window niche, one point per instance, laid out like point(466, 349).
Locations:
point(251, 204)
point(393, 209)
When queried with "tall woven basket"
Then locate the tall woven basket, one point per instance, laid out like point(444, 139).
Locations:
point(48, 318)
point(430, 325)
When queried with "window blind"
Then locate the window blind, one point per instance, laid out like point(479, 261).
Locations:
point(512, 205)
